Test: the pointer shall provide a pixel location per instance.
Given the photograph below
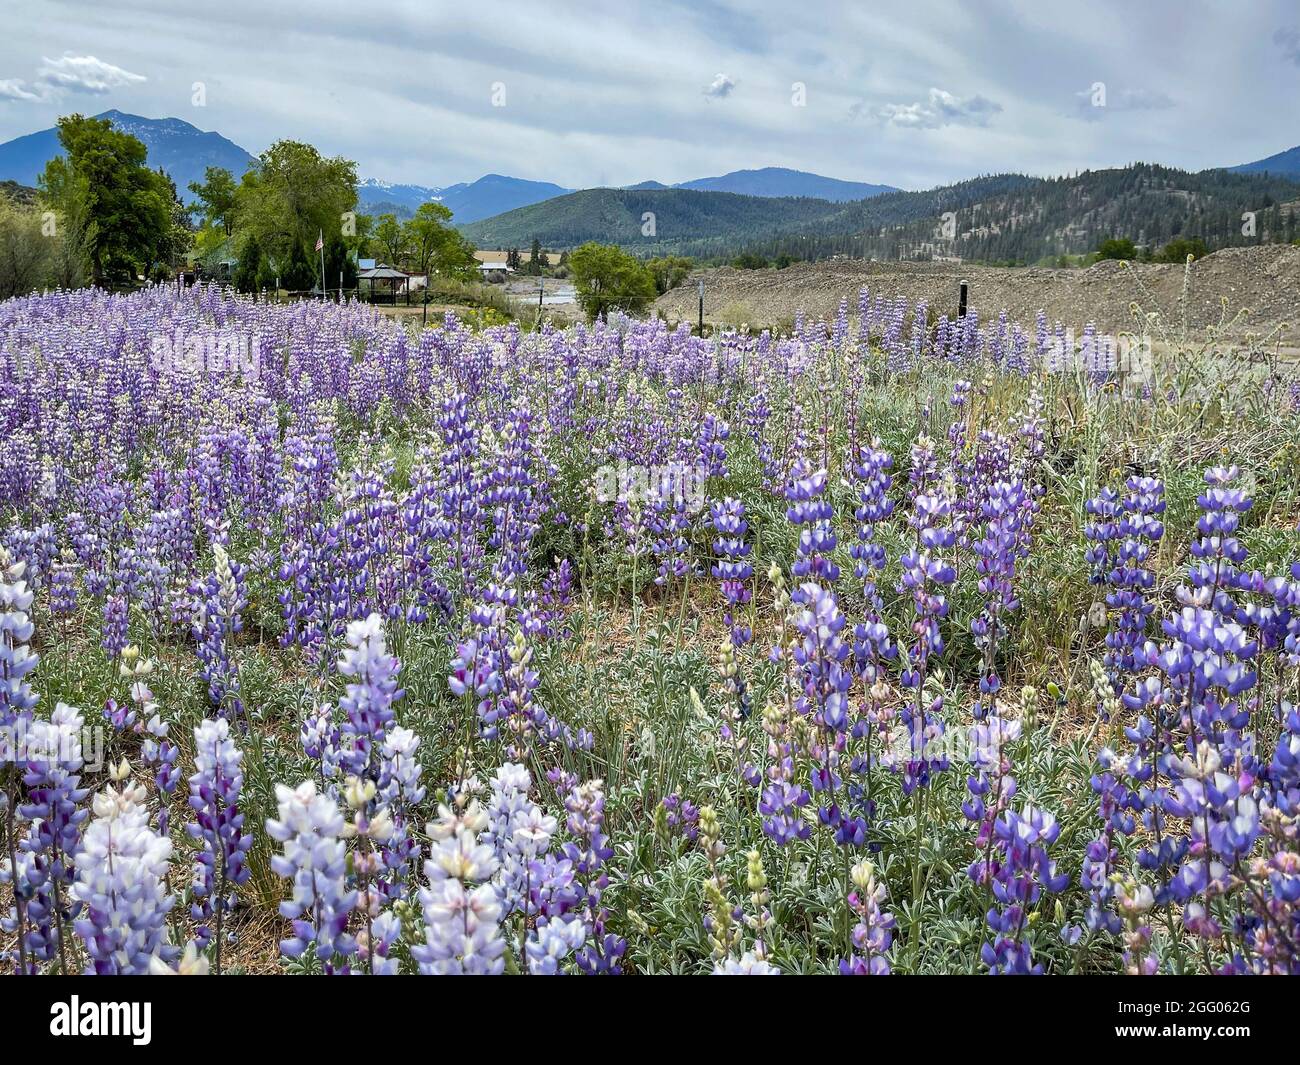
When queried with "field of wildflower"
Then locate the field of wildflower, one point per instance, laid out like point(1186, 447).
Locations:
point(329, 645)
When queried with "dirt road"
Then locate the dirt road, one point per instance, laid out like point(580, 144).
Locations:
point(1263, 283)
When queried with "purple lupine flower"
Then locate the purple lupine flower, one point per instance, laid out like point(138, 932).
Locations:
point(733, 569)
point(115, 626)
point(314, 858)
point(461, 907)
point(52, 776)
point(1024, 871)
point(588, 851)
point(874, 933)
point(218, 828)
point(925, 574)
point(367, 704)
point(121, 886)
point(216, 620)
point(17, 700)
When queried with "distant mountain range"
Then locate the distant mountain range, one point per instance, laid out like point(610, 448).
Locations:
point(495, 194)
point(1002, 218)
point(778, 181)
point(181, 149)
point(1007, 216)
point(1284, 163)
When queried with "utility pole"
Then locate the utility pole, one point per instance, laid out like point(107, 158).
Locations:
point(701, 308)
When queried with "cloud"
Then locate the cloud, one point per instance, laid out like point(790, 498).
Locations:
point(15, 89)
point(939, 109)
point(84, 74)
point(720, 87)
point(1289, 41)
point(1094, 103)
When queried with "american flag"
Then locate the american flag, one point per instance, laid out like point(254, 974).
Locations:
point(320, 239)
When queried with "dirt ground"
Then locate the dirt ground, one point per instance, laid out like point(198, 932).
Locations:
point(1262, 282)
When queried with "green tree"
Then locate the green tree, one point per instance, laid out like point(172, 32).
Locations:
point(535, 260)
point(435, 246)
point(749, 261)
point(1177, 251)
point(218, 194)
point(291, 195)
point(390, 238)
point(607, 278)
point(247, 272)
point(25, 251)
point(1117, 248)
point(338, 260)
point(669, 271)
point(127, 207)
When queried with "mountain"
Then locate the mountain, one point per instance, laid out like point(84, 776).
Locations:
point(494, 194)
point(778, 181)
point(384, 197)
point(617, 216)
point(183, 150)
point(1285, 163)
point(996, 218)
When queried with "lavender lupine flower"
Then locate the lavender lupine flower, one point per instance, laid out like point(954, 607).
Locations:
point(219, 600)
point(400, 792)
point(822, 655)
point(122, 867)
point(872, 643)
point(529, 879)
point(1140, 530)
point(63, 586)
point(218, 828)
point(1023, 873)
point(680, 815)
point(925, 574)
point(812, 511)
point(874, 933)
point(314, 858)
point(367, 704)
point(17, 700)
point(588, 851)
point(997, 552)
point(712, 446)
point(733, 569)
point(52, 776)
point(461, 907)
point(115, 626)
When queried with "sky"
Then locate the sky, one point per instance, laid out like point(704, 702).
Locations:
point(913, 93)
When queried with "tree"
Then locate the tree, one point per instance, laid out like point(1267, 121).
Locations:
point(290, 195)
point(608, 278)
point(127, 206)
point(69, 258)
point(178, 239)
point(247, 272)
point(1177, 251)
point(435, 245)
point(749, 261)
point(512, 259)
point(339, 261)
point(390, 236)
point(669, 271)
point(297, 274)
point(25, 251)
point(1117, 248)
point(218, 196)
point(535, 258)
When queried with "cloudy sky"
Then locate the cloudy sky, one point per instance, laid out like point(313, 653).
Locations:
point(903, 92)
